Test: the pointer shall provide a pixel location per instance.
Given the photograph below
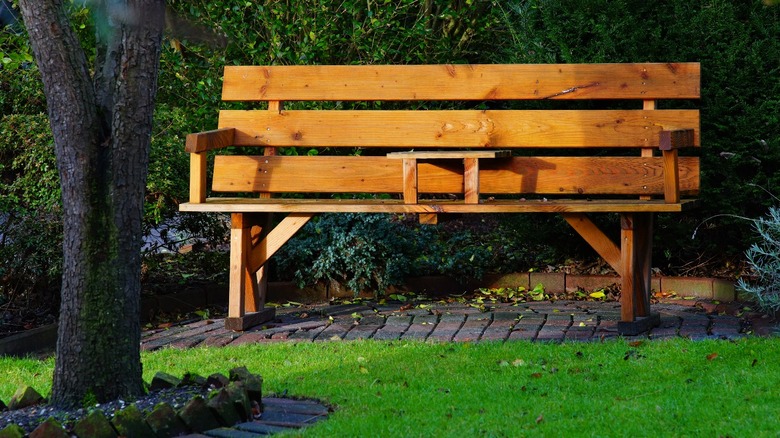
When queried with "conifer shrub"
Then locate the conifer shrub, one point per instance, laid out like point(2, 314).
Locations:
point(764, 259)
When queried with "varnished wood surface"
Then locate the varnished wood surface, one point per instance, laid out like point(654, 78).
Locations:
point(444, 155)
point(457, 128)
point(248, 205)
point(463, 82)
point(518, 175)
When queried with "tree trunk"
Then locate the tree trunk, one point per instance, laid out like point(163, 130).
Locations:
point(102, 128)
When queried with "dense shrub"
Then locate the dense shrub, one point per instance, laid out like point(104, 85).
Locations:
point(369, 252)
point(30, 229)
point(764, 259)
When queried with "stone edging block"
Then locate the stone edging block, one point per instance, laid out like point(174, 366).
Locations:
point(232, 400)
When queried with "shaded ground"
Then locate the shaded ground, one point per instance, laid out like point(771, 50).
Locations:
point(444, 322)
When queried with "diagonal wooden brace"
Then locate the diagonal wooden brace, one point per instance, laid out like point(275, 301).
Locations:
point(252, 243)
point(632, 261)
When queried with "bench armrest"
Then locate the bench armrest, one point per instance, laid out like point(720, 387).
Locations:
point(668, 143)
point(206, 141)
point(676, 139)
point(197, 145)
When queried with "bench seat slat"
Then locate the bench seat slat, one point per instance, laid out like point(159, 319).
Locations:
point(255, 205)
point(463, 82)
point(464, 128)
point(517, 175)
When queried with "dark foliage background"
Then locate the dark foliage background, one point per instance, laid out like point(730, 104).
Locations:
point(735, 40)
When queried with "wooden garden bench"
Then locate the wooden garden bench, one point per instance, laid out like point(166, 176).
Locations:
point(567, 157)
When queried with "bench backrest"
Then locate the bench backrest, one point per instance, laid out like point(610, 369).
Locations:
point(587, 169)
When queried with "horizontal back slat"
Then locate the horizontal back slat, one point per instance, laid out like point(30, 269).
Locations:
point(469, 128)
point(462, 82)
point(518, 175)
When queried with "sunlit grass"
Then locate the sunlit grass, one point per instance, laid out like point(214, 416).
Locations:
point(659, 388)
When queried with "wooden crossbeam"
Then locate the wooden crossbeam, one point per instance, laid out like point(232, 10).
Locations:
point(280, 205)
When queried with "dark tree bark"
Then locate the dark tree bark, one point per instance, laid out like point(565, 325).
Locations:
point(102, 127)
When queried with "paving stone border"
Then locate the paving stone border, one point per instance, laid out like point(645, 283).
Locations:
point(234, 408)
point(545, 321)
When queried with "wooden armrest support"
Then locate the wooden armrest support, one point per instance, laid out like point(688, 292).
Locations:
point(206, 141)
point(675, 139)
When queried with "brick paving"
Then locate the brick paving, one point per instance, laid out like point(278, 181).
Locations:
point(562, 321)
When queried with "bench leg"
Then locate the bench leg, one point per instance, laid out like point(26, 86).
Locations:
point(636, 259)
point(245, 307)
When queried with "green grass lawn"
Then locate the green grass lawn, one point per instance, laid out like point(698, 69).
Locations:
point(658, 388)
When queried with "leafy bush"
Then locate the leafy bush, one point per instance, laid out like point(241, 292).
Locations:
point(363, 251)
point(764, 259)
point(30, 225)
point(370, 252)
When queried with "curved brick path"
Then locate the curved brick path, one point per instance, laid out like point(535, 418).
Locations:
point(543, 321)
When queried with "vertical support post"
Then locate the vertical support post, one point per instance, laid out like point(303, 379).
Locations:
point(647, 105)
point(261, 276)
point(643, 236)
point(245, 303)
point(471, 180)
point(636, 251)
point(273, 106)
point(198, 177)
point(628, 261)
point(410, 180)
point(671, 175)
point(240, 281)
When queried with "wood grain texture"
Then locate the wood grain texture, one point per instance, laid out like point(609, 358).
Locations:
point(206, 141)
point(471, 180)
point(463, 82)
point(410, 178)
point(629, 263)
point(518, 175)
point(449, 155)
point(457, 128)
point(671, 176)
point(676, 139)
point(233, 205)
point(240, 243)
point(277, 237)
point(198, 165)
point(596, 238)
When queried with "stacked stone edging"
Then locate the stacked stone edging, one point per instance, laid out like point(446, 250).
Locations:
point(235, 398)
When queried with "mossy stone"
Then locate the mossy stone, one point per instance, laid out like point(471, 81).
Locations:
point(129, 422)
point(192, 379)
point(95, 425)
point(197, 415)
point(163, 380)
point(50, 428)
point(217, 381)
point(241, 401)
point(221, 404)
point(12, 431)
point(164, 421)
point(25, 397)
